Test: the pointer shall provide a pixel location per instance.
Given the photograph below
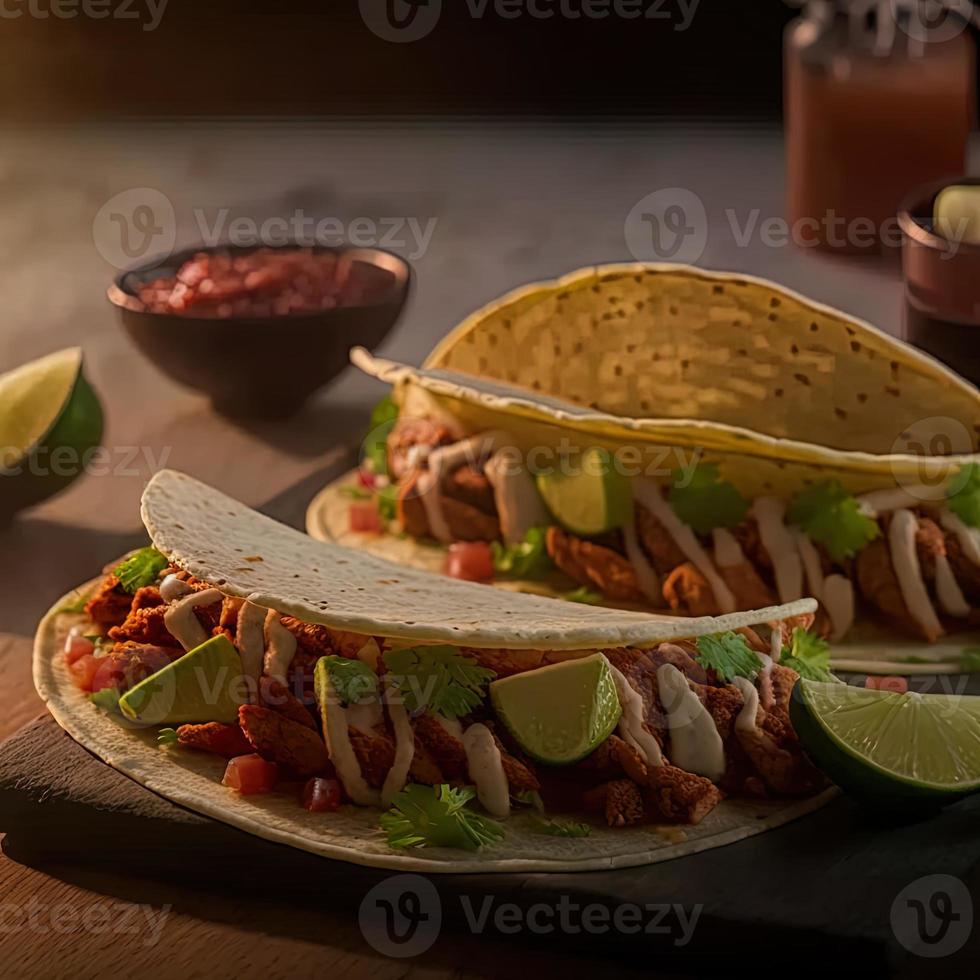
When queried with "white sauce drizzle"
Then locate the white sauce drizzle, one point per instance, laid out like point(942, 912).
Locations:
point(250, 640)
point(838, 600)
point(905, 561)
point(280, 647)
point(173, 588)
point(631, 728)
point(442, 461)
point(486, 769)
point(728, 552)
point(181, 622)
point(646, 577)
point(650, 496)
point(745, 721)
point(895, 498)
point(404, 748)
point(695, 744)
point(781, 545)
point(764, 679)
point(968, 537)
point(950, 595)
point(519, 505)
point(342, 755)
point(812, 565)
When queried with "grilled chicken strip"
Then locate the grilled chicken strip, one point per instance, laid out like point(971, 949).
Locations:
point(594, 566)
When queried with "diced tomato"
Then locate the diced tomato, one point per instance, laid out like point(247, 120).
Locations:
point(366, 479)
point(250, 774)
point(77, 646)
point(127, 667)
point(83, 670)
point(322, 795)
point(470, 560)
point(896, 685)
point(364, 517)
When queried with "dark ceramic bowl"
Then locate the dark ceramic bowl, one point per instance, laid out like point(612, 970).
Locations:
point(259, 367)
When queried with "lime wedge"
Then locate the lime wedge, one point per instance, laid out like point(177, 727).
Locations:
point(205, 684)
point(561, 713)
point(591, 498)
point(891, 749)
point(50, 419)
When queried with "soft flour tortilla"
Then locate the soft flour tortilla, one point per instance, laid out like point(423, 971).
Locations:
point(219, 540)
point(193, 779)
point(656, 341)
point(870, 648)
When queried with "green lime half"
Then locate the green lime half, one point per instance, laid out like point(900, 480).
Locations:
point(591, 498)
point(205, 684)
point(50, 419)
point(561, 713)
point(891, 749)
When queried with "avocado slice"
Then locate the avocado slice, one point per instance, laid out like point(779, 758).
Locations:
point(206, 684)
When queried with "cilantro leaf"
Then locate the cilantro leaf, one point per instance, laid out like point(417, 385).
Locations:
point(387, 498)
point(584, 595)
point(707, 501)
point(529, 559)
point(167, 736)
point(833, 518)
point(964, 495)
point(559, 828)
point(437, 816)
point(140, 569)
point(728, 655)
point(809, 656)
point(352, 681)
point(375, 448)
point(438, 679)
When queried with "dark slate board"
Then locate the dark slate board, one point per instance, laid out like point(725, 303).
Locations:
point(813, 896)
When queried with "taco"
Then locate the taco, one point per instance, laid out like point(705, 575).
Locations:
point(396, 706)
point(881, 523)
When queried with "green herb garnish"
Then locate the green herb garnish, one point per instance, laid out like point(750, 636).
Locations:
point(559, 828)
point(437, 816)
point(167, 736)
point(970, 660)
point(438, 679)
point(354, 492)
point(140, 569)
point(352, 681)
point(707, 501)
point(832, 517)
point(375, 450)
point(529, 559)
point(387, 498)
point(76, 605)
point(964, 495)
point(728, 655)
point(809, 656)
point(585, 595)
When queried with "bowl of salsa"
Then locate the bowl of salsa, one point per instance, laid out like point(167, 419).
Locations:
point(260, 329)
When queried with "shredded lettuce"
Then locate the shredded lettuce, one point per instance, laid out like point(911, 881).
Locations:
point(374, 451)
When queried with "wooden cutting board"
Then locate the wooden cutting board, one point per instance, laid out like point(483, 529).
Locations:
point(817, 894)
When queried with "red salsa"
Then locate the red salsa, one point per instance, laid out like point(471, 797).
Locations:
point(266, 282)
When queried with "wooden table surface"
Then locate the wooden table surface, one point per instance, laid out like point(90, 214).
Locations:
point(511, 204)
